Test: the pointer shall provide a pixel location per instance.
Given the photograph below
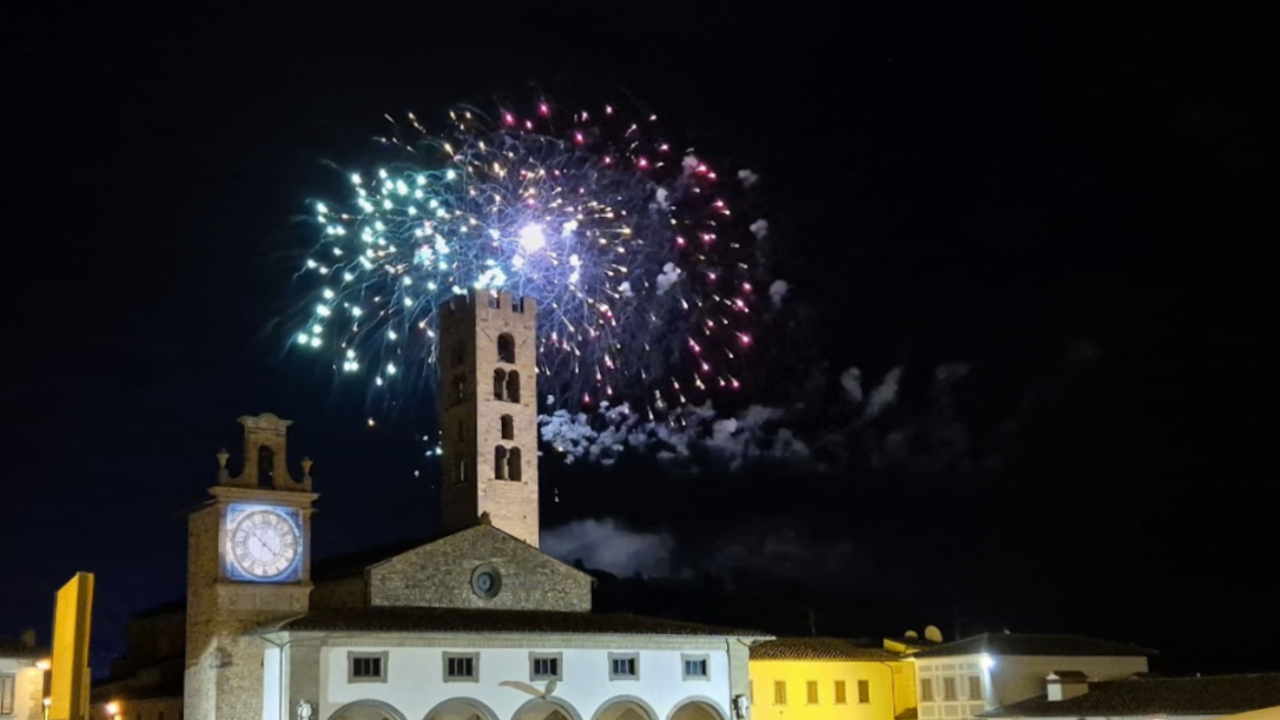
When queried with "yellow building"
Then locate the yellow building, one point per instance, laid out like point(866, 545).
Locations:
point(813, 678)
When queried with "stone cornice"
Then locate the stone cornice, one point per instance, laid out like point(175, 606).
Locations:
point(346, 639)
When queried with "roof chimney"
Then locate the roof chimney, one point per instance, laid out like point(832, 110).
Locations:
point(29, 638)
point(1067, 684)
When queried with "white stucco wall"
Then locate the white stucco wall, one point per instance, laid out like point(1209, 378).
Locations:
point(1010, 679)
point(1022, 677)
point(28, 688)
point(415, 679)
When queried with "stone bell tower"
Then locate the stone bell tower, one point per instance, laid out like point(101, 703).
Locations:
point(248, 563)
point(489, 413)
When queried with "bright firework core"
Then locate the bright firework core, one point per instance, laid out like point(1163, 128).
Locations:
point(531, 238)
point(643, 282)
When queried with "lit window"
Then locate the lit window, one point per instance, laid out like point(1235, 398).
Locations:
point(695, 667)
point(926, 689)
point(811, 692)
point(459, 667)
point(864, 691)
point(544, 666)
point(779, 692)
point(975, 687)
point(366, 667)
point(840, 697)
point(624, 666)
point(949, 689)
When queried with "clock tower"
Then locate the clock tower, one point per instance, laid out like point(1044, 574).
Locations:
point(248, 563)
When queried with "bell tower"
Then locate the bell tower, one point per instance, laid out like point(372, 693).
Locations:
point(489, 413)
point(248, 563)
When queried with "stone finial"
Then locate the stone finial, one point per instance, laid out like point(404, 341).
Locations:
point(306, 468)
point(485, 519)
point(222, 464)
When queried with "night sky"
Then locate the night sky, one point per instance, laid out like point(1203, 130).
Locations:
point(1073, 200)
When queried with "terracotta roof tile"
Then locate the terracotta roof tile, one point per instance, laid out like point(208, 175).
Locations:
point(451, 620)
point(818, 648)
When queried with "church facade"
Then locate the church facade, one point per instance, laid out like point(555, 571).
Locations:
point(476, 625)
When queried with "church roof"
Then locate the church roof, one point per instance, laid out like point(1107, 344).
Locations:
point(355, 563)
point(1223, 694)
point(459, 620)
point(818, 648)
point(1021, 644)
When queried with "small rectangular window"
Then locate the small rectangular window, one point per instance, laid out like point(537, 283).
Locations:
point(544, 666)
point(461, 667)
point(864, 691)
point(949, 689)
point(366, 667)
point(695, 667)
point(811, 692)
point(975, 687)
point(779, 692)
point(624, 666)
point(926, 689)
point(840, 697)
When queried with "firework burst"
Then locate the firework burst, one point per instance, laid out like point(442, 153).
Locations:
point(642, 274)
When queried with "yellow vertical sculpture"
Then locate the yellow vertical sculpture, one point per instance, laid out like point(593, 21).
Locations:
point(70, 677)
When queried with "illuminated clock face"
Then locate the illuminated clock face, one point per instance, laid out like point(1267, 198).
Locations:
point(264, 543)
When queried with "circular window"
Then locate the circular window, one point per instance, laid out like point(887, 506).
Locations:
point(486, 582)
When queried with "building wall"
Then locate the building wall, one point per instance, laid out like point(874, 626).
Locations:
point(439, 575)
point(1019, 678)
point(415, 681)
point(28, 688)
point(1009, 679)
point(797, 674)
point(904, 687)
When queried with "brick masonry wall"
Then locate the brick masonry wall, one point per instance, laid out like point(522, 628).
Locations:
point(439, 575)
point(343, 593)
point(471, 415)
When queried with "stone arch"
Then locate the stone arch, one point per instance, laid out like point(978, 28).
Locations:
point(460, 708)
point(508, 427)
point(266, 466)
point(499, 384)
point(506, 348)
point(514, 467)
point(552, 708)
point(696, 707)
point(499, 463)
point(367, 710)
point(513, 386)
point(625, 707)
